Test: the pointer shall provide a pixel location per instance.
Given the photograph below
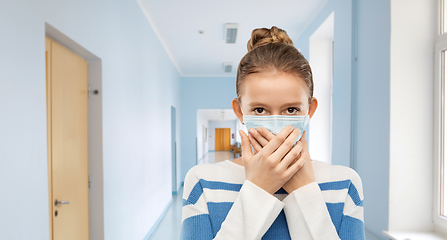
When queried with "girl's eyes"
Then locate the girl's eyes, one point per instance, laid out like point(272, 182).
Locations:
point(259, 110)
point(292, 110)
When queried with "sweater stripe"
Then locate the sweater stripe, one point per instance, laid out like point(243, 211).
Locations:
point(218, 213)
point(346, 184)
point(278, 230)
point(336, 213)
point(190, 225)
point(354, 194)
point(336, 185)
point(197, 190)
point(351, 229)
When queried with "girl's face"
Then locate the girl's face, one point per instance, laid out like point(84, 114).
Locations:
point(274, 93)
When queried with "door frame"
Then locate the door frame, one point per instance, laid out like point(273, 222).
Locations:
point(95, 133)
point(174, 149)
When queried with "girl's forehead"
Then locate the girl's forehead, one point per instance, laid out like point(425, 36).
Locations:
point(274, 86)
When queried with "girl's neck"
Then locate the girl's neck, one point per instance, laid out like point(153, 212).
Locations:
point(238, 161)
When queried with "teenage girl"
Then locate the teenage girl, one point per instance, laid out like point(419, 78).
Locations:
point(275, 190)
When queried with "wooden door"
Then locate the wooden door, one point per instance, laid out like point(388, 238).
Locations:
point(67, 107)
point(218, 140)
point(226, 139)
point(222, 139)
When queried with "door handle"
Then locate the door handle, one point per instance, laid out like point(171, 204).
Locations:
point(56, 202)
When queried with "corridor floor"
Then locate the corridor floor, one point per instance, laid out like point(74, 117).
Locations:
point(217, 156)
point(169, 227)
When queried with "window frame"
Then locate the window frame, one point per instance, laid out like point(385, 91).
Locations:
point(439, 117)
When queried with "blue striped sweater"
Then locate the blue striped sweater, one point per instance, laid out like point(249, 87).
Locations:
point(219, 203)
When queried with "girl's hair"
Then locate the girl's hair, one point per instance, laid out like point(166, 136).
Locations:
point(272, 50)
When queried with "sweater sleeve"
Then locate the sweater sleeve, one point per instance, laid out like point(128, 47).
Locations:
point(250, 216)
point(308, 215)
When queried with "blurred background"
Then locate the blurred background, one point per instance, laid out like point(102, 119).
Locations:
point(161, 78)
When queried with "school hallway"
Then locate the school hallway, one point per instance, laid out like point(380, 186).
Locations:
point(169, 225)
point(106, 105)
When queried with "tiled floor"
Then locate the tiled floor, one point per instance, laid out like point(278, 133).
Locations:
point(170, 225)
point(212, 157)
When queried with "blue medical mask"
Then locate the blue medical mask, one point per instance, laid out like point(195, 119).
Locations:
point(276, 123)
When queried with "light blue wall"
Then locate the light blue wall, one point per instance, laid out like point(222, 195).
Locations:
point(361, 97)
point(140, 83)
point(372, 109)
point(341, 137)
point(200, 93)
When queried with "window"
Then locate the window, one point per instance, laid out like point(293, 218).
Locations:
point(440, 125)
point(441, 142)
point(443, 19)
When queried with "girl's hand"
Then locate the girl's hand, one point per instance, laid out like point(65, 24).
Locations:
point(261, 137)
point(272, 166)
point(306, 174)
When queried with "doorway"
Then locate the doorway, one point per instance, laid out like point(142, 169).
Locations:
point(95, 132)
point(222, 139)
point(321, 59)
point(68, 156)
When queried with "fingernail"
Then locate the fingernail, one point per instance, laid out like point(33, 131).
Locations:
point(259, 130)
point(290, 127)
point(251, 130)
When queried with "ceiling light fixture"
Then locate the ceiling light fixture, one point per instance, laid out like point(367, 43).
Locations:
point(222, 115)
point(228, 67)
point(231, 32)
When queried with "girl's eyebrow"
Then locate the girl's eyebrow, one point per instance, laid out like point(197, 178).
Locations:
point(260, 104)
point(257, 104)
point(292, 104)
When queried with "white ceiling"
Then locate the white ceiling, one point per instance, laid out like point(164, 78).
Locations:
point(177, 24)
point(218, 114)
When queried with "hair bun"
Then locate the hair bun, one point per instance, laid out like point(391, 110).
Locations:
point(264, 36)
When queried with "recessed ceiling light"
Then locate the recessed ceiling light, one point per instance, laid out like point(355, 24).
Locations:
point(231, 32)
point(228, 66)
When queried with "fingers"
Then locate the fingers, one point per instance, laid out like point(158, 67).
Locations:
point(287, 145)
point(297, 165)
point(265, 133)
point(245, 147)
point(277, 142)
point(258, 137)
point(292, 156)
point(302, 159)
point(257, 147)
